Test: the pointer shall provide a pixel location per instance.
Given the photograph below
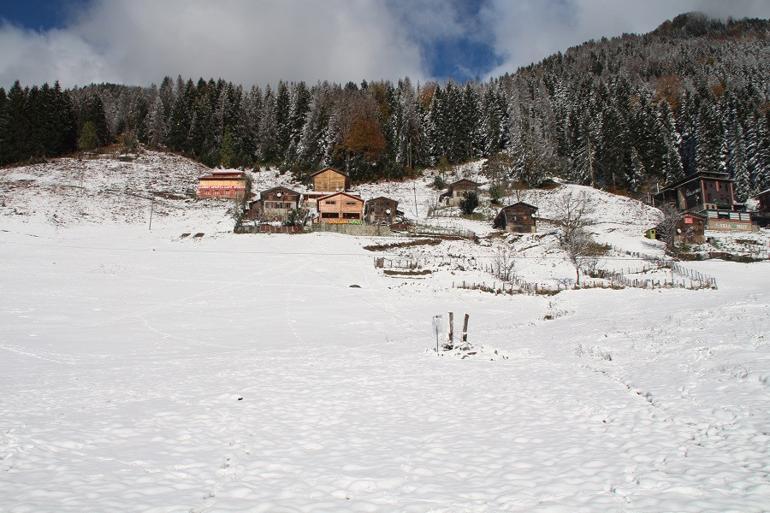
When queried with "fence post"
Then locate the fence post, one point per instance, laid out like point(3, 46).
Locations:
point(465, 328)
point(451, 329)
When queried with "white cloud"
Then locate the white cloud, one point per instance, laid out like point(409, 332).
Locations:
point(140, 41)
point(526, 31)
point(250, 41)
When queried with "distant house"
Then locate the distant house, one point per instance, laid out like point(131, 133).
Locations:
point(691, 229)
point(457, 191)
point(711, 195)
point(517, 218)
point(381, 210)
point(222, 184)
point(701, 192)
point(330, 180)
point(274, 204)
point(762, 215)
point(340, 208)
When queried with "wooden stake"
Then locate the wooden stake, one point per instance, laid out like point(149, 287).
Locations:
point(465, 328)
point(451, 328)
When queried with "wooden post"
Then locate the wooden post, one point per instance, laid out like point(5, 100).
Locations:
point(465, 328)
point(451, 329)
point(152, 208)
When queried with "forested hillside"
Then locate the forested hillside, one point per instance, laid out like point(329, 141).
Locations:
point(630, 113)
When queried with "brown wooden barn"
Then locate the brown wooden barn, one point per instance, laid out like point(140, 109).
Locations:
point(330, 180)
point(340, 208)
point(457, 191)
point(762, 215)
point(701, 192)
point(274, 204)
point(222, 184)
point(381, 210)
point(691, 229)
point(517, 218)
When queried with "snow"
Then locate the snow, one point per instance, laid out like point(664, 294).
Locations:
point(141, 371)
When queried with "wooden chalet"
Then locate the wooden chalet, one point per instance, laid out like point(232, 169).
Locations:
point(762, 215)
point(274, 204)
point(222, 184)
point(381, 210)
point(711, 195)
point(330, 180)
point(517, 218)
point(457, 191)
point(340, 208)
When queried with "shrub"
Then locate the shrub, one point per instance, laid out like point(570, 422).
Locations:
point(469, 203)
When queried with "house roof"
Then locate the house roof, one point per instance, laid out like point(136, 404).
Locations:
point(281, 187)
point(531, 207)
point(464, 180)
point(723, 177)
point(329, 169)
point(382, 197)
point(223, 176)
point(344, 194)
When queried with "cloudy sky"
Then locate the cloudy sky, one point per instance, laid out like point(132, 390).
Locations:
point(261, 41)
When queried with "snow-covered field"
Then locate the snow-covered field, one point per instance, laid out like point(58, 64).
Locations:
point(141, 371)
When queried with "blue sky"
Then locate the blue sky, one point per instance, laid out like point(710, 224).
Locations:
point(262, 41)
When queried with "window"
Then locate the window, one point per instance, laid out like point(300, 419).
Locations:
point(351, 203)
point(330, 215)
point(351, 215)
point(330, 202)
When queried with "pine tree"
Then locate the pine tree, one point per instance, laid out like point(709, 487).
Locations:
point(739, 166)
point(584, 166)
point(4, 156)
point(758, 153)
point(17, 135)
point(283, 120)
point(636, 171)
point(268, 129)
point(672, 169)
point(708, 157)
point(155, 124)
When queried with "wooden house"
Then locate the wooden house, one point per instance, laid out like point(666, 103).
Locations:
point(381, 210)
point(222, 184)
point(340, 208)
point(691, 229)
point(701, 192)
point(274, 204)
point(517, 218)
point(711, 195)
point(762, 216)
point(330, 180)
point(457, 191)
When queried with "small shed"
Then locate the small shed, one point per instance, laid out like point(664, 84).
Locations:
point(691, 229)
point(457, 191)
point(340, 208)
point(517, 218)
point(381, 210)
point(222, 184)
point(330, 180)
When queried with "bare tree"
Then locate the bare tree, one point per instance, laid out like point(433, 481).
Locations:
point(574, 214)
point(504, 264)
point(669, 225)
point(581, 250)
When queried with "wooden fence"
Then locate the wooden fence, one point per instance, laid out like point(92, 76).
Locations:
point(268, 228)
point(366, 230)
point(451, 231)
